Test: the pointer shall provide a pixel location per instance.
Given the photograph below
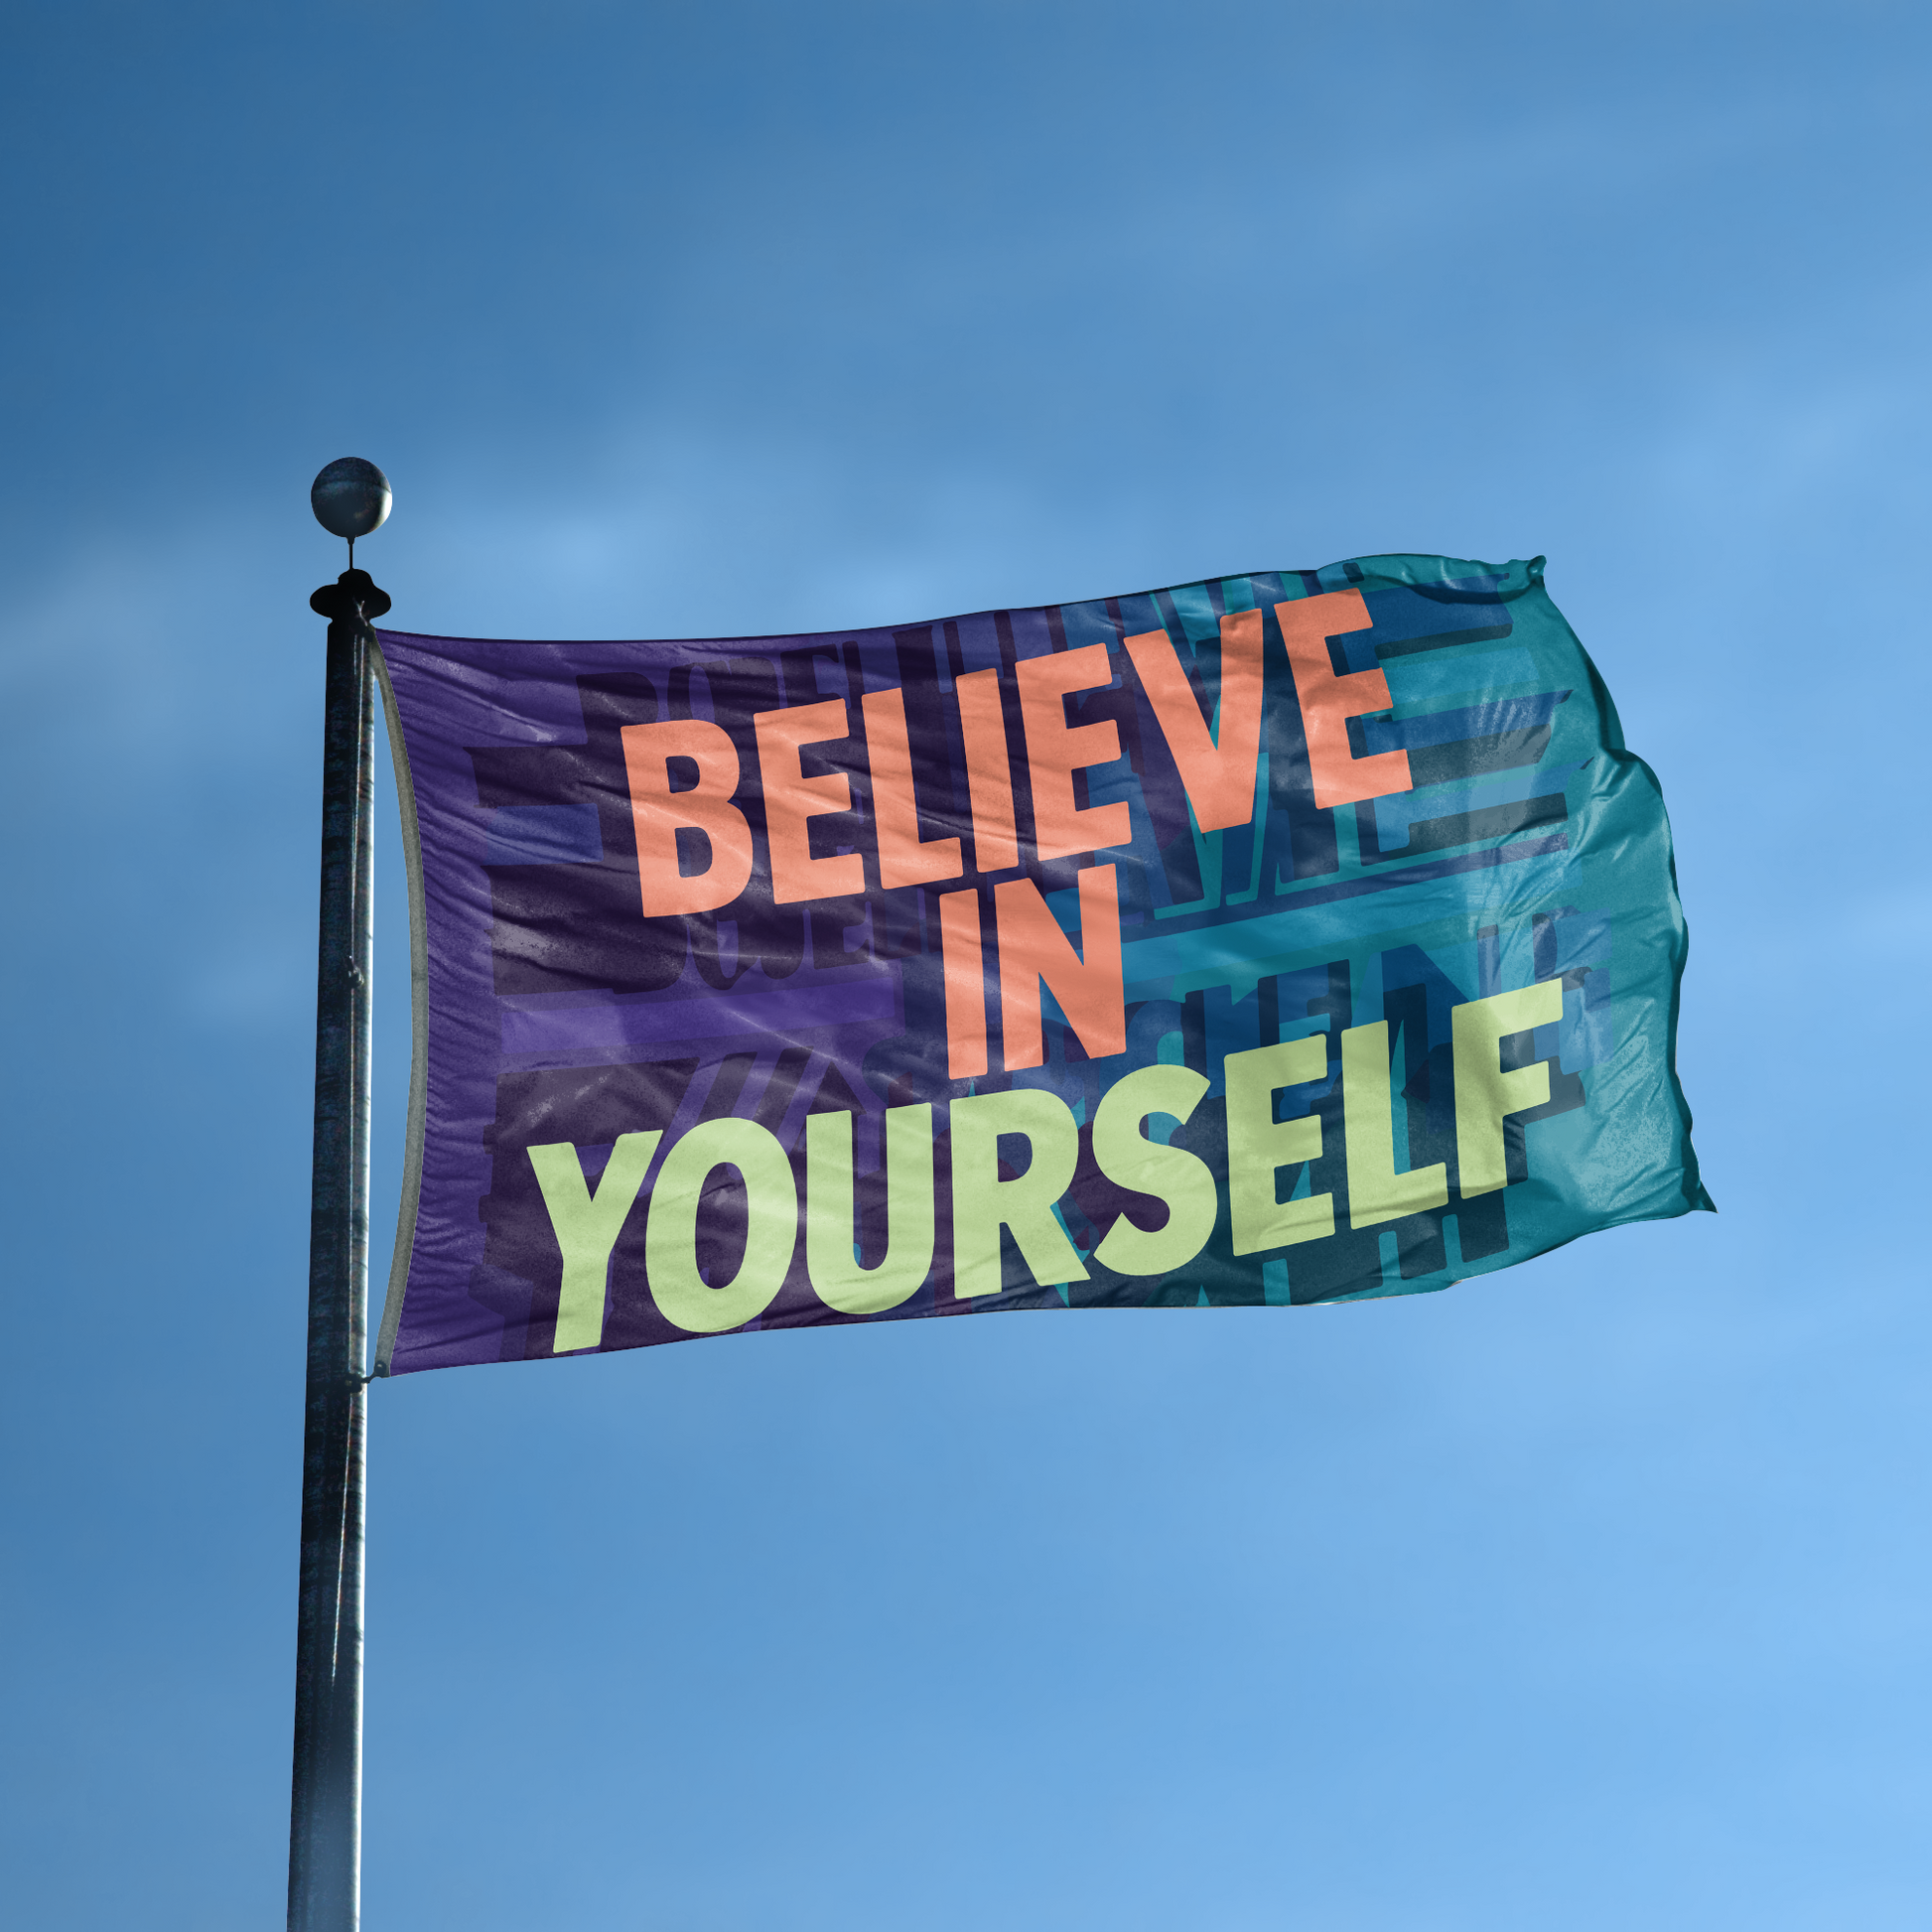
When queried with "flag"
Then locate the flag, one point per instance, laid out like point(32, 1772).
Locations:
point(1298, 937)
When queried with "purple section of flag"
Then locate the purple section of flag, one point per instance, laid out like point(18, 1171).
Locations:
point(614, 1025)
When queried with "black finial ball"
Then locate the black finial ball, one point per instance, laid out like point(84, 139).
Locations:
point(350, 497)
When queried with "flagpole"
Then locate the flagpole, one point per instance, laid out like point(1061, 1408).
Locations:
point(350, 499)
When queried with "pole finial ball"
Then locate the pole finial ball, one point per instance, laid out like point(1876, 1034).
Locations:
point(350, 497)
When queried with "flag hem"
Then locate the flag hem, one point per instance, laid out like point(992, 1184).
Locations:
point(412, 1172)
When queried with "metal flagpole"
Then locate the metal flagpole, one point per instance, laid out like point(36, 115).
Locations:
point(350, 499)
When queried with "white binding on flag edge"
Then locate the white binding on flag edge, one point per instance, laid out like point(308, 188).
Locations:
point(412, 1172)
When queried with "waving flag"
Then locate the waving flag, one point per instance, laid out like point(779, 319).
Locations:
point(1286, 938)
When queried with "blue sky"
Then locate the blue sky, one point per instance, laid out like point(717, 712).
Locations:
point(1593, 1594)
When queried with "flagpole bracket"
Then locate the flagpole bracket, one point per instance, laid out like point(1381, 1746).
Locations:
point(353, 597)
